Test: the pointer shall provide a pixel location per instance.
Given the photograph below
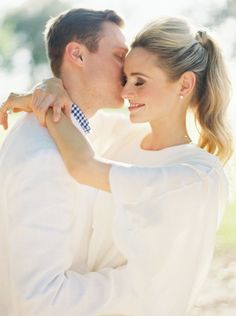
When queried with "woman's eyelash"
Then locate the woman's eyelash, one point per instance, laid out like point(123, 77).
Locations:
point(124, 80)
point(139, 83)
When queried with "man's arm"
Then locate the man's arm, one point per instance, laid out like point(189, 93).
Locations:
point(41, 212)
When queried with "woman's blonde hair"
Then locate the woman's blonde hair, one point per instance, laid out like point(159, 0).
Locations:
point(180, 49)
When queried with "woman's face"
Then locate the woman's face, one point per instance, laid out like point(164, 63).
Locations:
point(151, 94)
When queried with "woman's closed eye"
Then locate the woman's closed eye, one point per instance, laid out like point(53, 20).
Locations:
point(139, 82)
point(135, 82)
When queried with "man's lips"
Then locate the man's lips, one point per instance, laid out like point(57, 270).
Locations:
point(134, 106)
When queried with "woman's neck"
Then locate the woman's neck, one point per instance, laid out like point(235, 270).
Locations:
point(165, 134)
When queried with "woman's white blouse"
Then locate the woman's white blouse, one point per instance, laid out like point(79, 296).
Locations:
point(165, 224)
point(164, 210)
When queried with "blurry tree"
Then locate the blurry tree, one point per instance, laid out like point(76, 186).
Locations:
point(23, 28)
point(228, 11)
point(218, 18)
point(221, 17)
point(233, 5)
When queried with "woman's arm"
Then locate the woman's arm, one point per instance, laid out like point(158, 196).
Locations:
point(78, 154)
point(16, 103)
point(48, 93)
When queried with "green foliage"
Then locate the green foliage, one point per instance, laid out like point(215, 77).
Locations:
point(226, 236)
point(8, 44)
point(23, 28)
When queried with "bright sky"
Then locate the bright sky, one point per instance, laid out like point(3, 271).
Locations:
point(107, 3)
point(148, 8)
point(137, 13)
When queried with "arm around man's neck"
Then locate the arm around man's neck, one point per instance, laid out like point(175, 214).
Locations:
point(78, 154)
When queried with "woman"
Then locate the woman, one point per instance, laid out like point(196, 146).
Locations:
point(170, 196)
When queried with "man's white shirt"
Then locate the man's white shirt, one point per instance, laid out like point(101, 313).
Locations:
point(46, 227)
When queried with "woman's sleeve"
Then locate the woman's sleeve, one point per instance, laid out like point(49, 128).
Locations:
point(165, 224)
point(133, 184)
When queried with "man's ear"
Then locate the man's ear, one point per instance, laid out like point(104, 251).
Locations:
point(74, 53)
point(187, 82)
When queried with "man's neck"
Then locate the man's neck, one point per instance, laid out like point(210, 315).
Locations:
point(83, 104)
point(79, 96)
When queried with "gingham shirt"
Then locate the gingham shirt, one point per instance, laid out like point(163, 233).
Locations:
point(80, 118)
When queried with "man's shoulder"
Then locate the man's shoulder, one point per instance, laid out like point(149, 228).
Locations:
point(27, 133)
point(25, 140)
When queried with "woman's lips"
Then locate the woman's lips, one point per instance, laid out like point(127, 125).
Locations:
point(135, 106)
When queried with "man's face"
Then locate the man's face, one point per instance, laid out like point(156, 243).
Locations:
point(103, 70)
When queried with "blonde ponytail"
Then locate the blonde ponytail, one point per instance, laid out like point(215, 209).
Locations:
point(212, 102)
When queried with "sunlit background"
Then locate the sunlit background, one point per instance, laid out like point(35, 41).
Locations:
point(23, 63)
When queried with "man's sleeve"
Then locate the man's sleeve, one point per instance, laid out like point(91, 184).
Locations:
point(40, 204)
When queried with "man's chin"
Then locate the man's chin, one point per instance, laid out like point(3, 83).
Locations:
point(119, 104)
point(114, 105)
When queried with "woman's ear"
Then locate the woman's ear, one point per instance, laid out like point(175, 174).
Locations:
point(188, 82)
point(74, 53)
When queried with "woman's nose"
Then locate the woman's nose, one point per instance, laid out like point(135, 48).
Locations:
point(127, 92)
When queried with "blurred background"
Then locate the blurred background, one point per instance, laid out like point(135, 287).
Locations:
point(23, 63)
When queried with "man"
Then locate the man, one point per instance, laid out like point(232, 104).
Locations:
point(44, 244)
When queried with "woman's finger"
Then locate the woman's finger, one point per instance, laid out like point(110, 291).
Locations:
point(14, 103)
point(67, 108)
point(57, 108)
point(4, 110)
point(4, 120)
point(41, 104)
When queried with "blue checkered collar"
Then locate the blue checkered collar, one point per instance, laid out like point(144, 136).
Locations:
point(80, 118)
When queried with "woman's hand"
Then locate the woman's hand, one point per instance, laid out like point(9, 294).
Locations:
point(14, 103)
point(50, 93)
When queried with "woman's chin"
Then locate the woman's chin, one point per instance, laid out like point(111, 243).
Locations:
point(136, 119)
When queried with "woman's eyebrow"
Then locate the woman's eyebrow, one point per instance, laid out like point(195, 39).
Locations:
point(139, 74)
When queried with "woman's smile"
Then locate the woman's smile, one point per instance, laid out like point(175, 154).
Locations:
point(135, 106)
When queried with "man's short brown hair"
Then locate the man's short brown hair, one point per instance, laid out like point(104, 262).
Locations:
point(81, 25)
